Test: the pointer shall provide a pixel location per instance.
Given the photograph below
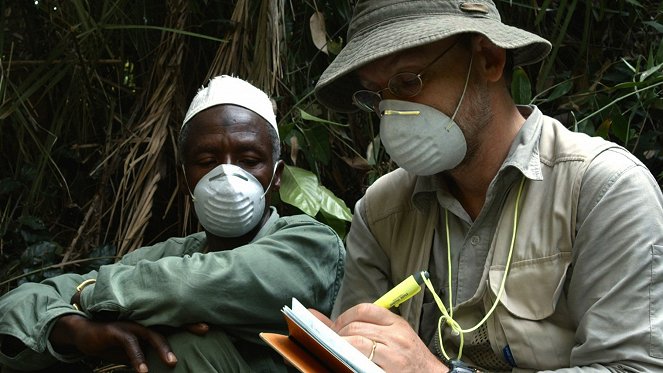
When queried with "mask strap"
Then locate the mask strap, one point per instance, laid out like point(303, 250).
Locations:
point(467, 80)
point(270, 181)
point(193, 197)
point(186, 182)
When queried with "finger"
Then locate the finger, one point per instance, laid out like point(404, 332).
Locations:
point(133, 351)
point(362, 343)
point(322, 317)
point(199, 328)
point(366, 313)
point(367, 346)
point(159, 343)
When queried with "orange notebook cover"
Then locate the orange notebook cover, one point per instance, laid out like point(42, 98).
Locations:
point(312, 347)
point(303, 351)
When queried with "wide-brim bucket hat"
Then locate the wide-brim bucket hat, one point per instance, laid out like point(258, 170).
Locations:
point(382, 27)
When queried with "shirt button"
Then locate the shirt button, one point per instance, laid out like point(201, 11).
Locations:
point(475, 240)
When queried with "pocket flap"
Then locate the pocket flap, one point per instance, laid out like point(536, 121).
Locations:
point(532, 286)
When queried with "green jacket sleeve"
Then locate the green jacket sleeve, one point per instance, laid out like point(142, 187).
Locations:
point(28, 314)
point(242, 290)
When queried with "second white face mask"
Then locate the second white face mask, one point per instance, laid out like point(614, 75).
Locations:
point(420, 139)
point(229, 201)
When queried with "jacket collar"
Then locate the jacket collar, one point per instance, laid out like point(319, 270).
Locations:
point(523, 156)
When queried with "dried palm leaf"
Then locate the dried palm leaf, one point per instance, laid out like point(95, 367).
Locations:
point(145, 164)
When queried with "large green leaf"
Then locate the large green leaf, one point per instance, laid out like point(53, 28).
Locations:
point(333, 205)
point(300, 188)
point(339, 226)
point(317, 139)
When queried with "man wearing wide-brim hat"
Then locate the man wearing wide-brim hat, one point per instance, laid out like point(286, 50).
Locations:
point(543, 245)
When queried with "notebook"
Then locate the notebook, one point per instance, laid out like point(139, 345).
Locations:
point(312, 346)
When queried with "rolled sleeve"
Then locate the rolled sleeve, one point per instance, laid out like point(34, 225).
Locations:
point(28, 313)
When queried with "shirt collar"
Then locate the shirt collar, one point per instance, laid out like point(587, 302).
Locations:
point(524, 152)
point(523, 155)
point(266, 228)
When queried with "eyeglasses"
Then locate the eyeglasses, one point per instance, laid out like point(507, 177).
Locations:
point(401, 85)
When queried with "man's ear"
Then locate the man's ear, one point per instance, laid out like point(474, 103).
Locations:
point(276, 184)
point(490, 59)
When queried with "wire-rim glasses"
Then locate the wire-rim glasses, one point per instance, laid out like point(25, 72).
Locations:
point(401, 85)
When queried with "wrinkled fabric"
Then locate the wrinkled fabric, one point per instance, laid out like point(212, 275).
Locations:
point(584, 288)
point(173, 283)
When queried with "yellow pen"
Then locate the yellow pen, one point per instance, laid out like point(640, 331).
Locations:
point(403, 291)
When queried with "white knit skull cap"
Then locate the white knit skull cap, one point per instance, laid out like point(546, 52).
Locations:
point(227, 89)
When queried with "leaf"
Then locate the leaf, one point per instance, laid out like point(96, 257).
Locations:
point(627, 85)
point(40, 254)
point(307, 116)
point(604, 129)
point(335, 45)
point(560, 90)
point(372, 151)
point(650, 71)
point(301, 189)
point(317, 139)
point(333, 205)
point(521, 88)
point(657, 26)
point(318, 31)
point(294, 149)
point(619, 127)
point(32, 222)
point(635, 3)
point(356, 162)
point(339, 226)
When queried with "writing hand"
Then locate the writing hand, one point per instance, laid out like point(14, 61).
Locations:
point(398, 347)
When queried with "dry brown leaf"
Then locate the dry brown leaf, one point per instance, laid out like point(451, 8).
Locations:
point(358, 163)
point(294, 149)
point(318, 31)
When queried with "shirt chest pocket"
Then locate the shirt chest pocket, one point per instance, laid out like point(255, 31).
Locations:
point(531, 324)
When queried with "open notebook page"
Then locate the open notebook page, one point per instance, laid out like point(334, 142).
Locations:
point(331, 341)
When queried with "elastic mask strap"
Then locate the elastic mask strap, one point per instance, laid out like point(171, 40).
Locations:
point(462, 96)
point(186, 182)
point(193, 198)
point(270, 181)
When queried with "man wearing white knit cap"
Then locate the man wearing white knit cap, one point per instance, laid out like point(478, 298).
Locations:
point(233, 277)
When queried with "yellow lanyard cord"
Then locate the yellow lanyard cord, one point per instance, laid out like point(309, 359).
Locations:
point(447, 316)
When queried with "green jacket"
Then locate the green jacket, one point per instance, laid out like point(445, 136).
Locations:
point(175, 282)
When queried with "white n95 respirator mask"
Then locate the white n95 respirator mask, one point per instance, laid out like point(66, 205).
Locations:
point(229, 201)
point(419, 138)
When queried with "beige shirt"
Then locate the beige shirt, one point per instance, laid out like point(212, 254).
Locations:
point(612, 290)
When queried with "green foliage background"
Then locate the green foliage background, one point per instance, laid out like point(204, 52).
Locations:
point(93, 93)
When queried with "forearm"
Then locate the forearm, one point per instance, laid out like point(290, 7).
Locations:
point(245, 286)
point(27, 315)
